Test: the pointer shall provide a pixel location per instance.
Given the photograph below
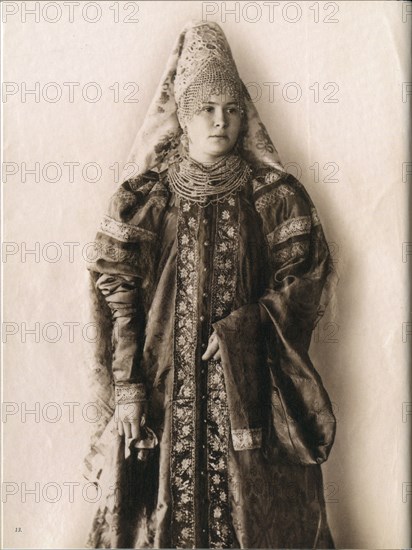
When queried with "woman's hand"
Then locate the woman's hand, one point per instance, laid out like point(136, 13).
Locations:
point(212, 350)
point(130, 417)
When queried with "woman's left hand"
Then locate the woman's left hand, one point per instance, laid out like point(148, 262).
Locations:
point(212, 351)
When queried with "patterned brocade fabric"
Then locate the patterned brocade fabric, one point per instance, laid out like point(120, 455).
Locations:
point(291, 252)
point(279, 192)
point(131, 393)
point(247, 439)
point(167, 273)
point(125, 232)
point(299, 233)
point(128, 236)
point(202, 269)
point(187, 427)
point(290, 228)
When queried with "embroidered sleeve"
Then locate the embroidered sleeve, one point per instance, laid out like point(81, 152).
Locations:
point(286, 221)
point(127, 239)
point(300, 261)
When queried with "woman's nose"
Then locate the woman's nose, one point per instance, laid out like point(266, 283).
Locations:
point(220, 118)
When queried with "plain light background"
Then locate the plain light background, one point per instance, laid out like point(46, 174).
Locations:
point(360, 348)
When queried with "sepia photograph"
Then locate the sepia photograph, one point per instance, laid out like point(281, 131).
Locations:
point(206, 259)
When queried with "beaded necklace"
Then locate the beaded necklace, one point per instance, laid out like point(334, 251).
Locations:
point(207, 183)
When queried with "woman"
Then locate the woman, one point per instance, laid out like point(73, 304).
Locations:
point(209, 277)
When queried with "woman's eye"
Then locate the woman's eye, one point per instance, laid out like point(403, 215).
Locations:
point(232, 110)
point(207, 109)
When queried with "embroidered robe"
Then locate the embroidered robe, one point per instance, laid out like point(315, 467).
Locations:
point(172, 272)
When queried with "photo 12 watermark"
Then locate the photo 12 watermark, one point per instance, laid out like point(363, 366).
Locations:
point(35, 492)
point(69, 92)
point(53, 252)
point(51, 332)
point(293, 92)
point(71, 12)
point(272, 12)
point(51, 412)
point(69, 171)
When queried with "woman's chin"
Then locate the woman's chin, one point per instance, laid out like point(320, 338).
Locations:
point(219, 150)
point(210, 153)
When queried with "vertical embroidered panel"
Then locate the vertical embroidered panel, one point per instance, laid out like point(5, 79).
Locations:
point(223, 293)
point(183, 466)
point(184, 388)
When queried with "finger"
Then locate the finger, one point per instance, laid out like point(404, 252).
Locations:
point(211, 350)
point(127, 429)
point(217, 355)
point(135, 430)
point(120, 427)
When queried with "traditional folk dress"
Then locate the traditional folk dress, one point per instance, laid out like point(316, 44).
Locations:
point(233, 446)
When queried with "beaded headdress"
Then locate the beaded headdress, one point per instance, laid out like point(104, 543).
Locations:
point(200, 64)
point(205, 67)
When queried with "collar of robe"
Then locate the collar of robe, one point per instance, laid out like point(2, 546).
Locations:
point(207, 183)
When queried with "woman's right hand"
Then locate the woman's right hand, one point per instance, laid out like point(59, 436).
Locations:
point(130, 417)
point(212, 351)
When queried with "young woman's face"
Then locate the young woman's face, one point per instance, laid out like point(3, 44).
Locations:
point(213, 132)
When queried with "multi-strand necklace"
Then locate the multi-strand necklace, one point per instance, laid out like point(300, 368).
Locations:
point(206, 183)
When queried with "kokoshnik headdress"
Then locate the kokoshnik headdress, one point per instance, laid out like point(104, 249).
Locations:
point(201, 64)
point(205, 67)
